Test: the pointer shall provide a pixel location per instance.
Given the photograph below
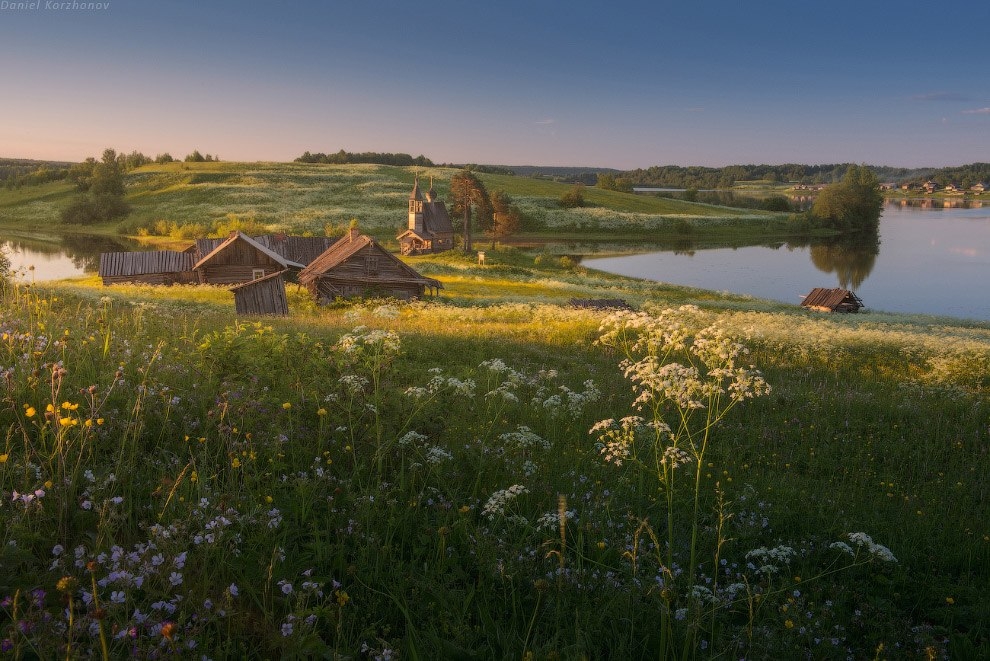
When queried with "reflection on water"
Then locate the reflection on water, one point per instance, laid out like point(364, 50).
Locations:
point(925, 259)
point(51, 257)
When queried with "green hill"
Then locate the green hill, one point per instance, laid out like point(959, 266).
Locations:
point(188, 199)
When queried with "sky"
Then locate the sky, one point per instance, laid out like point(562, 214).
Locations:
point(619, 85)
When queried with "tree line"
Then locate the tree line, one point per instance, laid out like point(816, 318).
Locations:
point(377, 158)
point(698, 177)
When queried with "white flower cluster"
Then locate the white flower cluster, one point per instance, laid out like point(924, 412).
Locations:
point(501, 499)
point(551, 520)
point(524, 439)
point(864, 541)
point(769, 561)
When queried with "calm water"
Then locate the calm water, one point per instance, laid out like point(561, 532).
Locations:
point(53, 257)
point(930, 261)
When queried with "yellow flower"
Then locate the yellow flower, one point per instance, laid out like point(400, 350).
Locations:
point(48, 484)
point(321, 412)
point(268, 499)
point(236, 463)
point(789, 624)
point(287, 406)
point(3, 458)
point(950, 600)
point(29, 411)
point(342, 597)
point(99, 421)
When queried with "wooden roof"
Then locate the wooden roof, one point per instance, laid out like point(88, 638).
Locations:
point(832, 299)
point(436, 220)
point(113, 264)
point(347, 247)
point(299, 249)
point(241, 236)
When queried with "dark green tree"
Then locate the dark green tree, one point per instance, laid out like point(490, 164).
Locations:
point(103, 197)
point(854, 203)
point(467, 192)
point(505, 216)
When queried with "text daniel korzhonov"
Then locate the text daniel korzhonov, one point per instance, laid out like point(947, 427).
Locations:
point(53, 5)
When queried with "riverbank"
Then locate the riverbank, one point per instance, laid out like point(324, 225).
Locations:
point(382, 478)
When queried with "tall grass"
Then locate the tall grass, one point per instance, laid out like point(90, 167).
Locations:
point(377, 479)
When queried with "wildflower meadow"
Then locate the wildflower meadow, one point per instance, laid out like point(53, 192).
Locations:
point(454, 479)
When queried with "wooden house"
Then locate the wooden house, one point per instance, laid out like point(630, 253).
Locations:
point(262, 296)
point(239, 258)
point(978, 188)
point(429, 228)
point(832, 300)
point(358, 266)
point(156, 267)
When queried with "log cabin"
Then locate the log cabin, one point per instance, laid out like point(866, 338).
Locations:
point(240, 258)
point(358, 266)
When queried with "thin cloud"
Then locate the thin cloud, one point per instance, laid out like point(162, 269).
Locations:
point(545, 122)
point(977, 111)
point(941, 96)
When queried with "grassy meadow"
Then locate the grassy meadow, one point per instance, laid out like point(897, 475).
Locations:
point(489, 474)
point(177, 202)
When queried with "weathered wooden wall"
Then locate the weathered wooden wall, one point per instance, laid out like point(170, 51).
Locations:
point(261, 297)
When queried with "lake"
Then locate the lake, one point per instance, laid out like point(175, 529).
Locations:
point(932, 259)
point(43, 256)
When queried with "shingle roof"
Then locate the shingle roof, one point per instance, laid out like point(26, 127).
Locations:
point(241, 236)
point(831, 298)
point(343, 249)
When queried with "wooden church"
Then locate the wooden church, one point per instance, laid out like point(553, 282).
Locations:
point(429, 229)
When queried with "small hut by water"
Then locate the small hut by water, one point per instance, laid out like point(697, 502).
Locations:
point(823, 299)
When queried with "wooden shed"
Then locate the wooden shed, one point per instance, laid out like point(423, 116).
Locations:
point(262, 296)
point(358, 266)
point(156, 267)
point(240, 258)
point(832, 300)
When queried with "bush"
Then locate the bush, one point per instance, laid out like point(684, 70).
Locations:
point(573, 198)
point(93, 210)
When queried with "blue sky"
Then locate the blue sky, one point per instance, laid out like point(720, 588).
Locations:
point(620, 84)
